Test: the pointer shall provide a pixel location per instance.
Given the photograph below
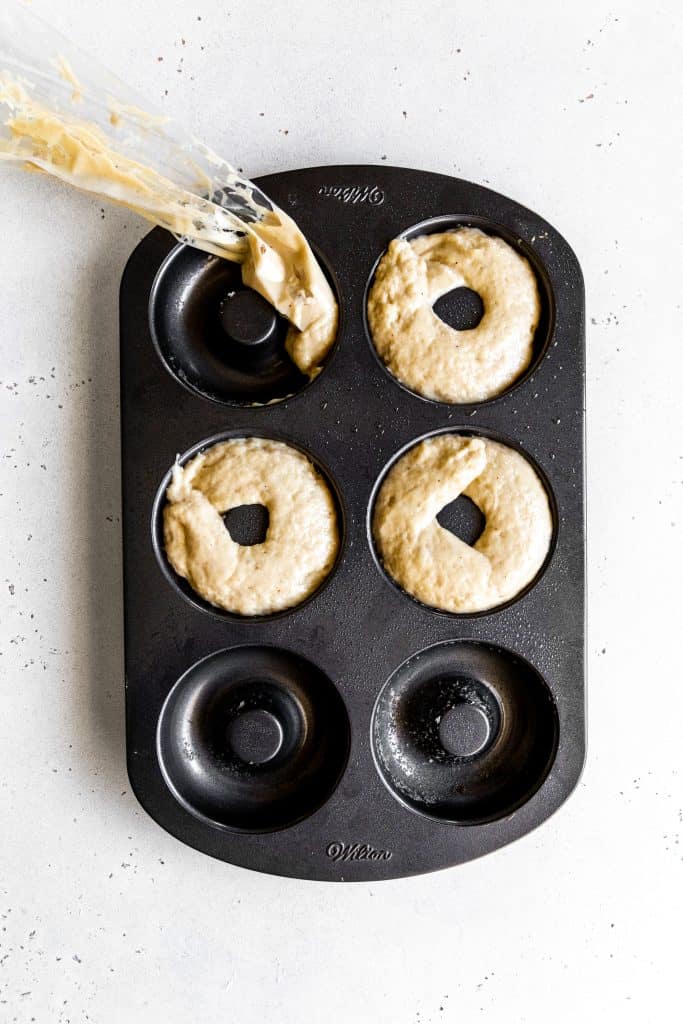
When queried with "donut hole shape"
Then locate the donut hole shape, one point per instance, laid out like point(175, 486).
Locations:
point(546, 323)
point(253, 739)
point(464, 732)
point(247, 524)
point(463, 519)
point(182, 587)
point(418, 564)
point(462, 309)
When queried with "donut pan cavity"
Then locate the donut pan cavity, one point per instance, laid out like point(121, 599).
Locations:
point(246, 524)
point(360, 735)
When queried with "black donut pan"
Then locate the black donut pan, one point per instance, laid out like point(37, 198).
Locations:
point(361, 735)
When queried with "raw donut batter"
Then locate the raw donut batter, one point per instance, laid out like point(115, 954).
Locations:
point(302, 539)
point(276, 259)
point(426, 354)
point(429, 561)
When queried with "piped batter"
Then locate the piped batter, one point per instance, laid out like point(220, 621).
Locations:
point(276, 259)
point(429, 356)
point(301, 543)
point(433, 564)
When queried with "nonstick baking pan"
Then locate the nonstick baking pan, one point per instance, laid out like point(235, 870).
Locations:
point(360, 735)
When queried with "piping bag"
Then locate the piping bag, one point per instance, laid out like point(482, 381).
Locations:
point(62, 113)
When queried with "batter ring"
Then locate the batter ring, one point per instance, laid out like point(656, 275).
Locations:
point(301, 543)
point(426, 354)
point(433, 564)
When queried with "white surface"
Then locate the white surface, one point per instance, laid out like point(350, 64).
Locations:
point(105, 918)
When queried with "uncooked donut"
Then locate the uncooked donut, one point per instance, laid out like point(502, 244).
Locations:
point(302, 539)
point(430, 562)
point(426, 354)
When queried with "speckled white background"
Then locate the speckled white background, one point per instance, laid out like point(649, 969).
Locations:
point(574, 110)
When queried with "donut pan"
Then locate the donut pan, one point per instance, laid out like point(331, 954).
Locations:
point(360, 735)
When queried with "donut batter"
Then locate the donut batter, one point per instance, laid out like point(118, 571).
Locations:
point(112, 160)
point(301, 543)
point(433, 564)
point(426, 354)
